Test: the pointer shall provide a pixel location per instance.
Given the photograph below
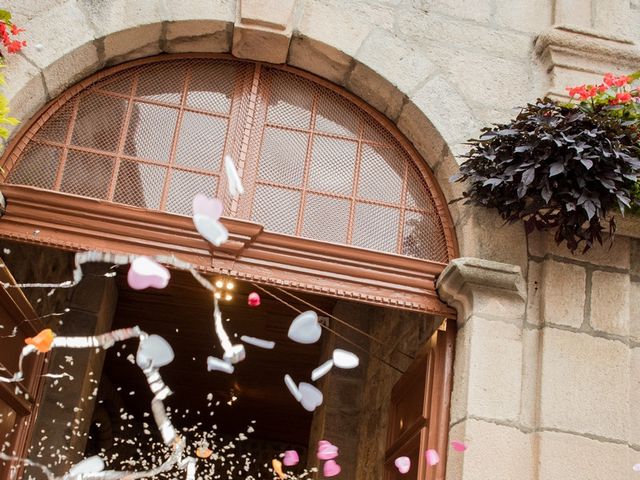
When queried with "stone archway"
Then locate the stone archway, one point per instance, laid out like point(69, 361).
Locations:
point(410, 91)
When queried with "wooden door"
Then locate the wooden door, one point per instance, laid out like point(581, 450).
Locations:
point(18, 402)
point(419, 410)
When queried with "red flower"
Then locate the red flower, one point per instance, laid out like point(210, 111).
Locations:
point(602, 88)
point(15, 30)
point(609, 78)
point(621, 97)
point(579, 91)
point(15, 46)
point(621, 80)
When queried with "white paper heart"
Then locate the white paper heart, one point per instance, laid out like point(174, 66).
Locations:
point(293, 388)
point(211, 230)
point(145, 272)
point(305, 328)
point(154, 351)
point(322, 370)
point(311, 396)
point(214, 363)
point(403, 464)
point(209, 207)
point(258, 342)
point(233, 179)
point(93, 464)
point(345, 359)
point(235, 354)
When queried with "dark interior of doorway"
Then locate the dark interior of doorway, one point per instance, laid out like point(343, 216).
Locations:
point(253, 401)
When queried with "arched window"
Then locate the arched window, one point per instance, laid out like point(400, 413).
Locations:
point(316, 162)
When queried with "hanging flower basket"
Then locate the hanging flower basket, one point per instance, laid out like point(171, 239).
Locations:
point(563, 167)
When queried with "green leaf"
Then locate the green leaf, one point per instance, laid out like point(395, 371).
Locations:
point(5, 17)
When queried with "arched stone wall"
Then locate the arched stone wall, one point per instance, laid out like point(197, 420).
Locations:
point(392, 55)
point(537, 368)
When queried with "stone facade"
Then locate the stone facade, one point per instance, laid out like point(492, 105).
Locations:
point(548, 354)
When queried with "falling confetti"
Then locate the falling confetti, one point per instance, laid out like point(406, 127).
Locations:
point(305, 328)
point(345, 359)
point(322, 370)
point(145, 272)
point(253, 300)
point(433, 458)
point(331, 468)
point(233, 179)
point(458, 446)
point(403, 464)
point(258, 342)
point(326, 450)
point(290, 458)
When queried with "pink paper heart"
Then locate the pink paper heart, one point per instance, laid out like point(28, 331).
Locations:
point(432, 457)
point(145, 272)
point(209, 207)
point(311, 396)
point(326, 450)
point(291, 458)
point(458, 446)
point(403, 464)
point(331, 468)
point(254, 299)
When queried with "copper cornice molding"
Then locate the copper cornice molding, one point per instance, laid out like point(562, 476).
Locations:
point(77, 223)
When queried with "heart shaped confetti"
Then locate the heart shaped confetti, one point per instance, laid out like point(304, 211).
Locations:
point(305, 328)
point(432, 457)
point(154, 351)
point(235, 354)
point(214, 363)
point(258, 342)
point(403, 464)
point(209, 207)
point(145, 272)
point(293, 388)
point(93, 464)
point(322, 370)
point(326, 450)
point(42, 341)
point(253, 300)
point(345, 359)
point(291, 458)
point(311, 396)
point(233, 179)
point(458, 446)
point(277, 467)
point(203, 452)
point(331, 468)
point(211, 230)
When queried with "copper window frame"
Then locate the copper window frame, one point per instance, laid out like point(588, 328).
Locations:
point(78, 223)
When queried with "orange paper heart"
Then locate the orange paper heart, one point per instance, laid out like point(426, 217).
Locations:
point(203, 452)
point(42, 341)
point(277, 467)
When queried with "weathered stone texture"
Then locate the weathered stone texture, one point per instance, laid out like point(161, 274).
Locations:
point(198, 36)
point(634, 311)
point(411, 67)
point(573, 457)
point(488, 383)
point(563, 293)
point(511, 452)
point(616, 254)
point(610, 302)
point(584, 384)
point(483, 234)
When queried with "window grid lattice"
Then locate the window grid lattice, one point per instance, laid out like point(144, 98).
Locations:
point(155, 134)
